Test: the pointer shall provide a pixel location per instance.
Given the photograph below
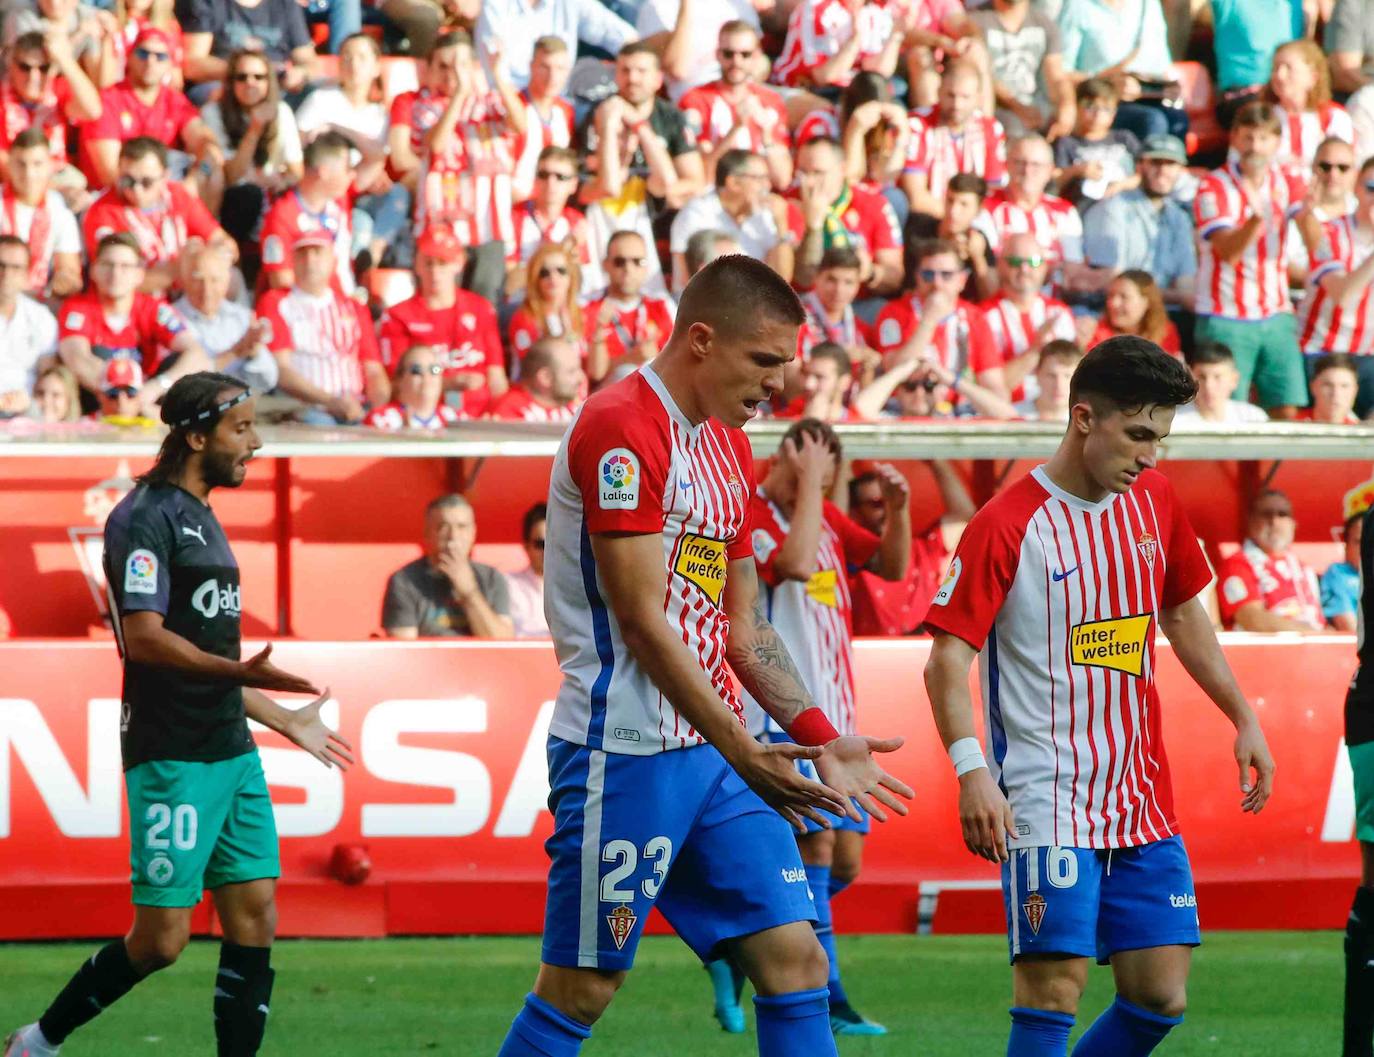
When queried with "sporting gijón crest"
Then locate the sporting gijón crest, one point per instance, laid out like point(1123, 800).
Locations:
point(1034, 906)
point(622, 922)
point(1145, 543)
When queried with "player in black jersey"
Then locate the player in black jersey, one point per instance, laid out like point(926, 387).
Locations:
point(1359, 740)
point(199, 812)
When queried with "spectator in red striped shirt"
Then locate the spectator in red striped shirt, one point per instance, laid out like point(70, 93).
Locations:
point(550, 387)
point(624, 325)
point(549, 118)
point(546, 217)
point(830, 313)
point(954, 138)
point(30, 209)
point(1022, 319)
point(45, 87)
point(324, 342)
point(417, 393)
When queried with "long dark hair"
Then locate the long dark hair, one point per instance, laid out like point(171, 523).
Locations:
point(189, 406)
point(235, 117)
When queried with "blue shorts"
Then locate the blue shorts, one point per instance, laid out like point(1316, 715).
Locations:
point(1094, 903)
point(808, 768)
point(678, 830)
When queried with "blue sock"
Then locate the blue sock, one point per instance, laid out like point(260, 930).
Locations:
point(837, 885)
point(818, 877)
point(1038, 1033)
point(793, 1024)
point(540, 1030)
point(1125, 1030)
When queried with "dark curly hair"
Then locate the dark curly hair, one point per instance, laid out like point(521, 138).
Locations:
point(192, 404)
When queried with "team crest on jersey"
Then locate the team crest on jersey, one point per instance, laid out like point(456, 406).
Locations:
point(469, 321)
point(619, 480)
point(140, 573)
point(942, 596)
point(160, 870)
point(1118, 644)
point(736, 489)
point(1145, 543)
point(622, 922)
point(1034, 909)
point(701, 560)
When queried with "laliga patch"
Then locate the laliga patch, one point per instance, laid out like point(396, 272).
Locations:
point(76, 320)
point(1034, 909)
point(1208, 208)
point(272, 252)
point(942, 596)
point(619, 483)
point(1234, 590)
point(764, 545)
point(167, 317)
point(140, 573)
point(890, 333)
point(701, 560)
point(1117, 644)
point(822, 587)
point(622, 922)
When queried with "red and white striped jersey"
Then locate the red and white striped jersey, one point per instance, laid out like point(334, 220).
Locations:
point(1303, 133)
point(1014, 331)
point(517, 405)
point(1256, 285)
point(529, 231)
point(963, 340)
point(817, 29)
point(633, 462)
point(1283, 585)
point(1062, 597)
point(824, 121)
point(473, 176)
point(329, 337)
point(1053, 221)
point(1323, 324)
point(288, 216)
point(815, 618)
point(394, 416)
point(556, 131)
point(649, 320)
point(711, 116)
point(937, 152)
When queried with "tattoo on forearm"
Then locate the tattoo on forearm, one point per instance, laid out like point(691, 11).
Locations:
point(768, 672)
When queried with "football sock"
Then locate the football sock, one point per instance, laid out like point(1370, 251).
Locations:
point(818, 878)
point(102, 980)
point(1359, 976)
point(795, 1023)
point(243, 995)
point(1125, 1030)
point(724, 984)
point(1038, 1033)
point(540, 1030)
point(837, 885)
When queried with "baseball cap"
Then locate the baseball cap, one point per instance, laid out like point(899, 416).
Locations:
point(1358, 500)
point(1162, 145)
point(153, 35)
point(313, 237)
point(440, 243)
point(121, 373)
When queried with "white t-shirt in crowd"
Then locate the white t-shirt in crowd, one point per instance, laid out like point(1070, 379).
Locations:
point(329, 106)
point(660, 16)
point(25, 338)
point(1238, 413)
point(527, 604)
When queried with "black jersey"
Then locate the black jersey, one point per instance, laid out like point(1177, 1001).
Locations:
point(165, 552)
point(1359, 701)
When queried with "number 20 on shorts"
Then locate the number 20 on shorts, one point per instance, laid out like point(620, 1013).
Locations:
point(181, 821)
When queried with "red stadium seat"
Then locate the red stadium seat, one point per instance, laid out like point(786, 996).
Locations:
point(400, 73)
point(390, 286)
point(1205, 134)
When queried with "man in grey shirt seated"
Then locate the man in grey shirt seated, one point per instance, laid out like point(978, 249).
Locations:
point(1147, 228)
point(224, 328)
point(444, 592)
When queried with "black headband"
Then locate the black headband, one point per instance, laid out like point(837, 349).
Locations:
point(212, 412)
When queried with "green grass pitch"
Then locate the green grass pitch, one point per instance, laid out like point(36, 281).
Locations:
point(1264, 994)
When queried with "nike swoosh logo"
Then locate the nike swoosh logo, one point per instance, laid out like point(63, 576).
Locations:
point(685, 485)
point(1064, 574)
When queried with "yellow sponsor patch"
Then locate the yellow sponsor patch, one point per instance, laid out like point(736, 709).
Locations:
point(701, 560)
point(1117, 644)
point(821, 587)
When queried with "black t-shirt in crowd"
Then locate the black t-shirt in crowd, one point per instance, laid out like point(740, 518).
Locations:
point(1359, 700)
point(278, 25)
point(667, 122)
point(165, 552)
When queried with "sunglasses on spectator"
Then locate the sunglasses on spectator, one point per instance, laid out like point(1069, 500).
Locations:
point(929, 275)
point(621, 262)
point(33, 67)
point(122, 390)
point(736, 53)
point(557, 269)
point(927, 383)
point(1025, 262)
point(1334, 166)
point(147, 183)
point(417, 369)
point(243, 77)
point(549, 174)
point(152, 56)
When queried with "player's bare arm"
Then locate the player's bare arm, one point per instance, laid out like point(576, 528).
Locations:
point(984, 814)
point(761, 661)
point(1190, 632)
point(147, 641)
point(635, 582)
point(303, 726)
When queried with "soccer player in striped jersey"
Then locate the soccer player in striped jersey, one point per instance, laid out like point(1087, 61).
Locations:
point(1057, 587)
point(659, 795)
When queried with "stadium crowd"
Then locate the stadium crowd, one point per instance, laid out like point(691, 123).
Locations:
point(429, 211)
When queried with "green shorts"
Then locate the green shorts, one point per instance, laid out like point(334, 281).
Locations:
point(1266, 352)
point(1362, 765)
point(194, 826)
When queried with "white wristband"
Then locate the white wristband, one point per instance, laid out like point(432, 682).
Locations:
point(966, 755)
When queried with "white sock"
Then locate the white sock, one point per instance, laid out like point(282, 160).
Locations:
point(36, 1041)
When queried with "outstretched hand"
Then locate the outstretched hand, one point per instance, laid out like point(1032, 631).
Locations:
point(309, 731)
point(260, 672)
point(847, 766)
point(771, 771)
